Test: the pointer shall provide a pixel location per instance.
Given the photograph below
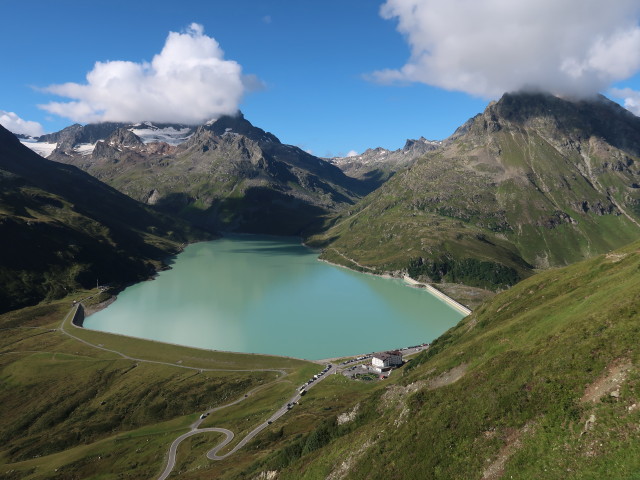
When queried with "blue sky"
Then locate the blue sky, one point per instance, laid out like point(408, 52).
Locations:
point(314, 61)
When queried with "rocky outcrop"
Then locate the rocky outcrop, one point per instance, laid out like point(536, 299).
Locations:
point(377, 165)
point(226, 174)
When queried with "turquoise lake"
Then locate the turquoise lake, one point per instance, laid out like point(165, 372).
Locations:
point(271, 295)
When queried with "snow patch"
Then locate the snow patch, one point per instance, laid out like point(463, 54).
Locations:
point(149, 133)
point(41, 148)
point(84, 149)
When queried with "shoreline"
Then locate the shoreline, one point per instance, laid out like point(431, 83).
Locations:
point(88, 311)
point(160, 342)
point(410, 281)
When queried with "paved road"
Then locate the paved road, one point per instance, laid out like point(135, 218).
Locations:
point(174, 446)
point(213, 453)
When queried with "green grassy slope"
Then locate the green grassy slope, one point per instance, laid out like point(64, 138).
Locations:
point(540, 382)
point(533, 182)
point(61, 228)
point(73, 411)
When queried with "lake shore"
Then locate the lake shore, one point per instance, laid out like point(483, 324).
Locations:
point(261, 274)
point(411, 282)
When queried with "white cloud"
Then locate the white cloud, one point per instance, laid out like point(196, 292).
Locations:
point(351, 153)
point(189, 81)
point(631, 98)
point(488, 47)
point(15, 124)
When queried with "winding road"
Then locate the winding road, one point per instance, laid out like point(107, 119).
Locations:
point(213, 453)
point(195, 427)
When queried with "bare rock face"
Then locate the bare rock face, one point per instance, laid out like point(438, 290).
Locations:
point(377, 165)
point(154, 196)
point(226, 174)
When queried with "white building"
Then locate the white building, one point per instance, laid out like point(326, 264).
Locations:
point(383, 361)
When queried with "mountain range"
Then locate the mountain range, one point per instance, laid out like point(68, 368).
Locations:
point(541, 381)
point(377, 165)
point(223, 175)
point(535, 181)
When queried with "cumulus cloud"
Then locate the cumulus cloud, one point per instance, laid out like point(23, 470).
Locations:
point(351, 153)
point(488, 47)
point(15, 124)
point(630, 97)
point(189, 81)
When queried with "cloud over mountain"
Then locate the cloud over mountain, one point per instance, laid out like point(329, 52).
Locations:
point(488, 47)
point(15, 124)
point(631, 98)
point(189, 81)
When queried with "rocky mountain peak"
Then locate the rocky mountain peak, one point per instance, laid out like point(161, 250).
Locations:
point(420, 145)
point(578, 119)
point(239, 125)
point(124, 137)
point(77, 134)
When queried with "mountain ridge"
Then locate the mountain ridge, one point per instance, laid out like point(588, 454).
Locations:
point(377, 165)
point(225, 175)
point(533, 181)
point(62, 229)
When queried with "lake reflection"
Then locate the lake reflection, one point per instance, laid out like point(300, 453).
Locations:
point(271, 295)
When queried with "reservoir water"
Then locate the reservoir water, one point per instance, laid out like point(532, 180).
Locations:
point(271, 295)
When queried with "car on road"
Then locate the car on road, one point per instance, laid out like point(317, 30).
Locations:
point(204, 415)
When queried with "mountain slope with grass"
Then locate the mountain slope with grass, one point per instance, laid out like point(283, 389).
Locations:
point(543, 381)
point(62, 229)
point(533, 182)
point(73, 410)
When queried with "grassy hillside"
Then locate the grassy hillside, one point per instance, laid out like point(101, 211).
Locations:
point(533, 182)
point(540, 382)
point(61, 229)
point(72, 411)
